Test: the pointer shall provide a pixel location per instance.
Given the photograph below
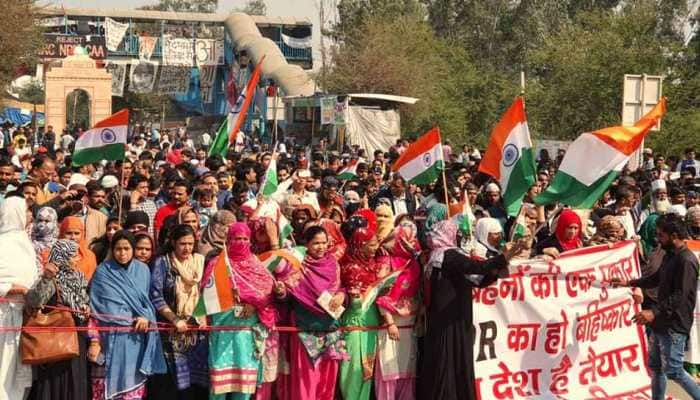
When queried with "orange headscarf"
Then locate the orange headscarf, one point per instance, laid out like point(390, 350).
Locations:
point(87, 263)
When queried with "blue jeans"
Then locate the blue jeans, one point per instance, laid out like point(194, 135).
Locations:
point(666, 352)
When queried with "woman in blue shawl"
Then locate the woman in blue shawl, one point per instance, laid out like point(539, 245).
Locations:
point(119, 298)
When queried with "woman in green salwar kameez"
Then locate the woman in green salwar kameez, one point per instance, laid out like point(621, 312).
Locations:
point(359, 270)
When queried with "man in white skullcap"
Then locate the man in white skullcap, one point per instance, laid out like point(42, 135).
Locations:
point(659, 200)
point(494, 204)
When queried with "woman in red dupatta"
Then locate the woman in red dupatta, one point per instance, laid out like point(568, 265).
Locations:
point(234, 356)
point(359, 270)
point(396, 346)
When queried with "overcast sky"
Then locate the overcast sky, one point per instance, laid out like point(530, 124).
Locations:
point(292, 8)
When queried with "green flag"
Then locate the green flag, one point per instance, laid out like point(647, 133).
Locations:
point(269, 185)
point(220, 145)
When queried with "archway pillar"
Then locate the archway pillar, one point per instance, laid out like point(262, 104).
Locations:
point(77, 72)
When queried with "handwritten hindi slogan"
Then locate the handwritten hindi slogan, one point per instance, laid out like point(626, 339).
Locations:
point(555, 330)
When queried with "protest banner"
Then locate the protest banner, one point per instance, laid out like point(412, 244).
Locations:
point(207, 76)
point(297, 43)
point(142, 77)
point(146, 46)
point(556, 329)
point(118, 71)
point(177, 51)
point(209, 52)
point(340, 111)
point(173, 79)
point(327, 110)
point(61, 46)
point(114, 33)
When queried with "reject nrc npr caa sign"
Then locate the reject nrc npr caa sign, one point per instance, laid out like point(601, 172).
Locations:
point(62, 46)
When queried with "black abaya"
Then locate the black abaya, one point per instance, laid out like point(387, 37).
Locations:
point(447, 368)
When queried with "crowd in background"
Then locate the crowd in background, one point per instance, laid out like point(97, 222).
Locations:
point(132, 244)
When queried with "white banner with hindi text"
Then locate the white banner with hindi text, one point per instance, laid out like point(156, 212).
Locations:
point(556, 330)
point(209, 52)
point(173, 80)
point(178, 51)
point(114, 33)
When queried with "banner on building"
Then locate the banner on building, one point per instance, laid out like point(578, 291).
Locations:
point(557, 330)
point(114, 33)
point(146, 46)
point(340, 112)
point(143, 76)
point(209, 52)
point(297, 43)
point(118, 71)
point(173, 79)
point(327, 110)
point(178, 51)
point(62, 46)
point(207, 76)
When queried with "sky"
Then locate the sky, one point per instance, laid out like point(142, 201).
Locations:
point(275, 8)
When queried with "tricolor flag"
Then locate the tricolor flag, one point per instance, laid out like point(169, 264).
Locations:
point(349, 172)
point(240, 110)
point(422, 161)
point(269, 185)
point(220, 144)
point(105, 141)
point(377, 287)
point(594, 160)
point(294, 256)
point(270, 209)
point(463, 216)
point(509, 157)
point(217, 295)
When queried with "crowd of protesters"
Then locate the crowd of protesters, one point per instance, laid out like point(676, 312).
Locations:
point(131, 244)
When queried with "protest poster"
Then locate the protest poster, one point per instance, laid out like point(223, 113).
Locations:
point(62, 46)
point(209, 52)
point(114, 33)
point(173, 79)
point(142, 77)
point(118, 71)
point(556, 329)
point(178, 51)
point(341, 109)
point(207, 76)
point(297, 43)
point(146, 46)
point(327, 110)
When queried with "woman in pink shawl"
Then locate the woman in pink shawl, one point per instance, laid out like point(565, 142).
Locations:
point(314, 353)
point(395, 374)
point(234, 356)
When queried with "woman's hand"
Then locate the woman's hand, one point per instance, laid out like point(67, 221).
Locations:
point(280, 289)
point(141, 324)
point(50, 270)
point(551, 252)
point(94, 351)
point(393, 331)
point(248, 311)
point(337, 300)
point(180, 325)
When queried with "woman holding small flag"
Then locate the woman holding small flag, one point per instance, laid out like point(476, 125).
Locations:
point(234, 355)
point(317, 300)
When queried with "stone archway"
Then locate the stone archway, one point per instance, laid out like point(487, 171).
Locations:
point(77, 72)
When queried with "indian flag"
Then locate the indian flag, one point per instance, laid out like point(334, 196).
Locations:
point(349, 172)
point(376, 288)
point(509, 157)
point(269, 185)
point(294, 256)
point(270, 209)
point(422, 161)
point(217, 295)
point(463, 216)
point(105, 141)
point(594, 160)
point(220, 145)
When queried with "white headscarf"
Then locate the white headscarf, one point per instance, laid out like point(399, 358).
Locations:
point(18, 262)
point(485, 226)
